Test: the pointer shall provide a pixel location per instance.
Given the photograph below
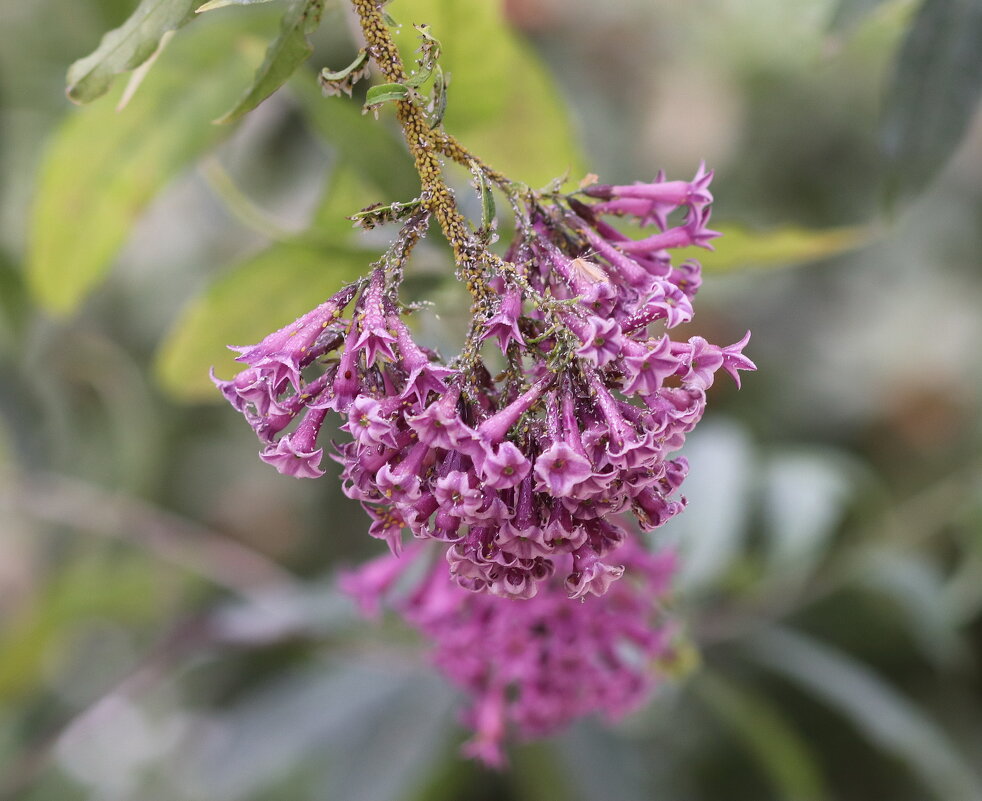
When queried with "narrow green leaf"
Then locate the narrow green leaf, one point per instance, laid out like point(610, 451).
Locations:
point(886, 718)
point(386, 92)
point(102, 168)
point(336, 82)
point(487, 199)
point(211, 5)
point(126, 47)
point(254, 298)
point(934, 94)
point(780, 750)
point(427, 63)
point(439, 101)
point(502, 103)
point(339, 75)
point(287, 52)
point(381, 213)
point(740, 247)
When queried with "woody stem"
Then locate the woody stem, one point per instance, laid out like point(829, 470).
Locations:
point(469, 254)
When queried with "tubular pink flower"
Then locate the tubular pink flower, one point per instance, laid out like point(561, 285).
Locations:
point(560, 470)
point(295, 454)
point(504, 324)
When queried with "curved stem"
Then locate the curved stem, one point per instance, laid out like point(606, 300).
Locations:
point(469, 254)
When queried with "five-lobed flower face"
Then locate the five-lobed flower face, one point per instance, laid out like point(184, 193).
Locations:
point(528, 478)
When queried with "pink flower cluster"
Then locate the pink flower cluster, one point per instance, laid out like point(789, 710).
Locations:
point(518, 475)
point(531, 667)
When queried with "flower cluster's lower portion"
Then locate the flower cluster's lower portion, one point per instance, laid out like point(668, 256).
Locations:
point(531, 667)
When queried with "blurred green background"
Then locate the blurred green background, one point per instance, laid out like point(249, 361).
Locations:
point(169, 626)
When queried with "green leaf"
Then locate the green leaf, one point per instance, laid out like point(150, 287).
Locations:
point(386, 92)
point(501, 104)
point(380, 213)
point(885, 717)
point(102, 168)
point(211, 5)
point(487, 199)
point(781, 752)
point(242, 306)
point(934, 94)
point(287, 52)
point(439, 101)
point(336, 82)
point(126, 47)
point(741, 247)
point(340, 75)
point(427, 63)
point(370, 149)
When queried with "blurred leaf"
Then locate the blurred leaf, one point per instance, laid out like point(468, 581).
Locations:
point(453, 780)
point(13, 297)
point(849, 12)
point(264, 293)
point(370, 729)
point(803, 498)
point(885, 718)
point(740, 247)
point(779, 749)
point(369, 148)
point(117, 589)
point(600, 763)
point(243, 305)
point(502, 103)
point(269, 616)
point(934, 94)
point(287, 52)
point(211, 5)
point(711, 531)
point(346, 193)
point(102, 168)
point(399, 749)
point(537, 772)
point(916, 585)
point(126, 47)
point(238, 204)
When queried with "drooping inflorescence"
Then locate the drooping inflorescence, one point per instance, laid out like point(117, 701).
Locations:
point(533, 458)
point(524, 472)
